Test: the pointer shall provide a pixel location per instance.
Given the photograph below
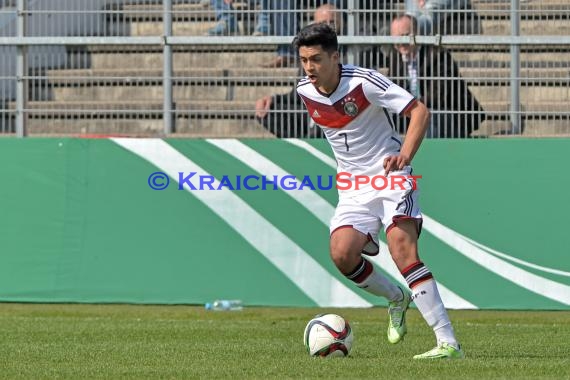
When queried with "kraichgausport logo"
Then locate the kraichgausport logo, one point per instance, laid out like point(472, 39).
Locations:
point(342, 181)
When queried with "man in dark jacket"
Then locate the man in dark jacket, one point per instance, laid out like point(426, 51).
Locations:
point(431, 75)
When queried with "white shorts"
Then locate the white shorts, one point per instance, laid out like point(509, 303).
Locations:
point(366, 213)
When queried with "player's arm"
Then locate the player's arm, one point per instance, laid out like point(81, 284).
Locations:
point(384, 93)
point(419, 121)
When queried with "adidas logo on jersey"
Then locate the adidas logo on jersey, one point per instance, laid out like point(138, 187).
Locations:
point(316, 114)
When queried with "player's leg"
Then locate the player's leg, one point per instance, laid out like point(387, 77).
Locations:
point(346, 246)
point(402, 219)
point(402, 237)
point(351, 228)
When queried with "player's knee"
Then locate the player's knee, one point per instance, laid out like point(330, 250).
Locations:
point(342, 258)
point(338, 255)
point(398, 238)
point(403, 248)
point(345, 249)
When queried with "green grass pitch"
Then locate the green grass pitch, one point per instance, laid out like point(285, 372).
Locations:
point(185, 342)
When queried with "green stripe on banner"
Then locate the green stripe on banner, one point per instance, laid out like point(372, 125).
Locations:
point(322, 145)
point(475, 283)
point(273, 205)
point(32, 199)
point(276, 206)
point(483, 193)
point(515, 188)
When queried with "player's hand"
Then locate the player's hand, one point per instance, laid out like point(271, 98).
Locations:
point(392, 163)
point(262, 106)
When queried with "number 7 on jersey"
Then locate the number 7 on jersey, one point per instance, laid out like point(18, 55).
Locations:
point(345, 140)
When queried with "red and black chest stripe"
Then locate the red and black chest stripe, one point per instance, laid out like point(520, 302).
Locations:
point(341, 112)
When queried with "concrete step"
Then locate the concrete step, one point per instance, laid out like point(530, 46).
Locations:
point(544, 128)
point(55, 126)
point(527, 9)
point(494, 73)
point(215, 47)
point(530, 128)
point(538, 118)
point(181, 60)
point(196, 128)
point(527, 76)
point(183, 28)
point(501, 79)
point(146, 85)
point(140, 109)
point(180, 12)
point(550, 27)
point(536, 57)
point(199, 118)
point(146, 91)
point(528, 94)
point(276, 75)
point(154, 12)
point(531, 110)
point(206, 128)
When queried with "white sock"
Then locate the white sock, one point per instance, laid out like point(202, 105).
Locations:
point(429, 303)
point(371, 280)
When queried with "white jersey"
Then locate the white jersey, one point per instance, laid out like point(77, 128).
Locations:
point(356, 121)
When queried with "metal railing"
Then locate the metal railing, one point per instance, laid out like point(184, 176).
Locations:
point(147, 67)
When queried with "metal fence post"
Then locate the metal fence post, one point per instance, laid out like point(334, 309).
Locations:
point(21, 71)
point(515, 70)
point(351, 29)
point(167, 108)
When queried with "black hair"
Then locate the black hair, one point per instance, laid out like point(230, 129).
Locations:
point(317, 34)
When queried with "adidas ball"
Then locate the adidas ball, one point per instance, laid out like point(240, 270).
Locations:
point(328, 335)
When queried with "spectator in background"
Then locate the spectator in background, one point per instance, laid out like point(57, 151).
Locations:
point(329, 14)
point(263, 24)
point(432, 76)
point(284, 22)
point(443, 16)
point(227, 21)
point(225, 15)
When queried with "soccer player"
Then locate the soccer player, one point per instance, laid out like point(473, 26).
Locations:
point(351, 105)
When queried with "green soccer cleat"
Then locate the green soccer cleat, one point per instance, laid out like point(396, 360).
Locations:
point(397, 313)
point(442, 351)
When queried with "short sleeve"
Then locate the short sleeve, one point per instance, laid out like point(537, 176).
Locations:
point(382, 92)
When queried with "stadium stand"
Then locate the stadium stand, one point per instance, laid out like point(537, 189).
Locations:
point(108, 89)
point(544, 70)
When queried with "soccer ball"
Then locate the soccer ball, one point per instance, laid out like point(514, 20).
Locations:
point(328, 335)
